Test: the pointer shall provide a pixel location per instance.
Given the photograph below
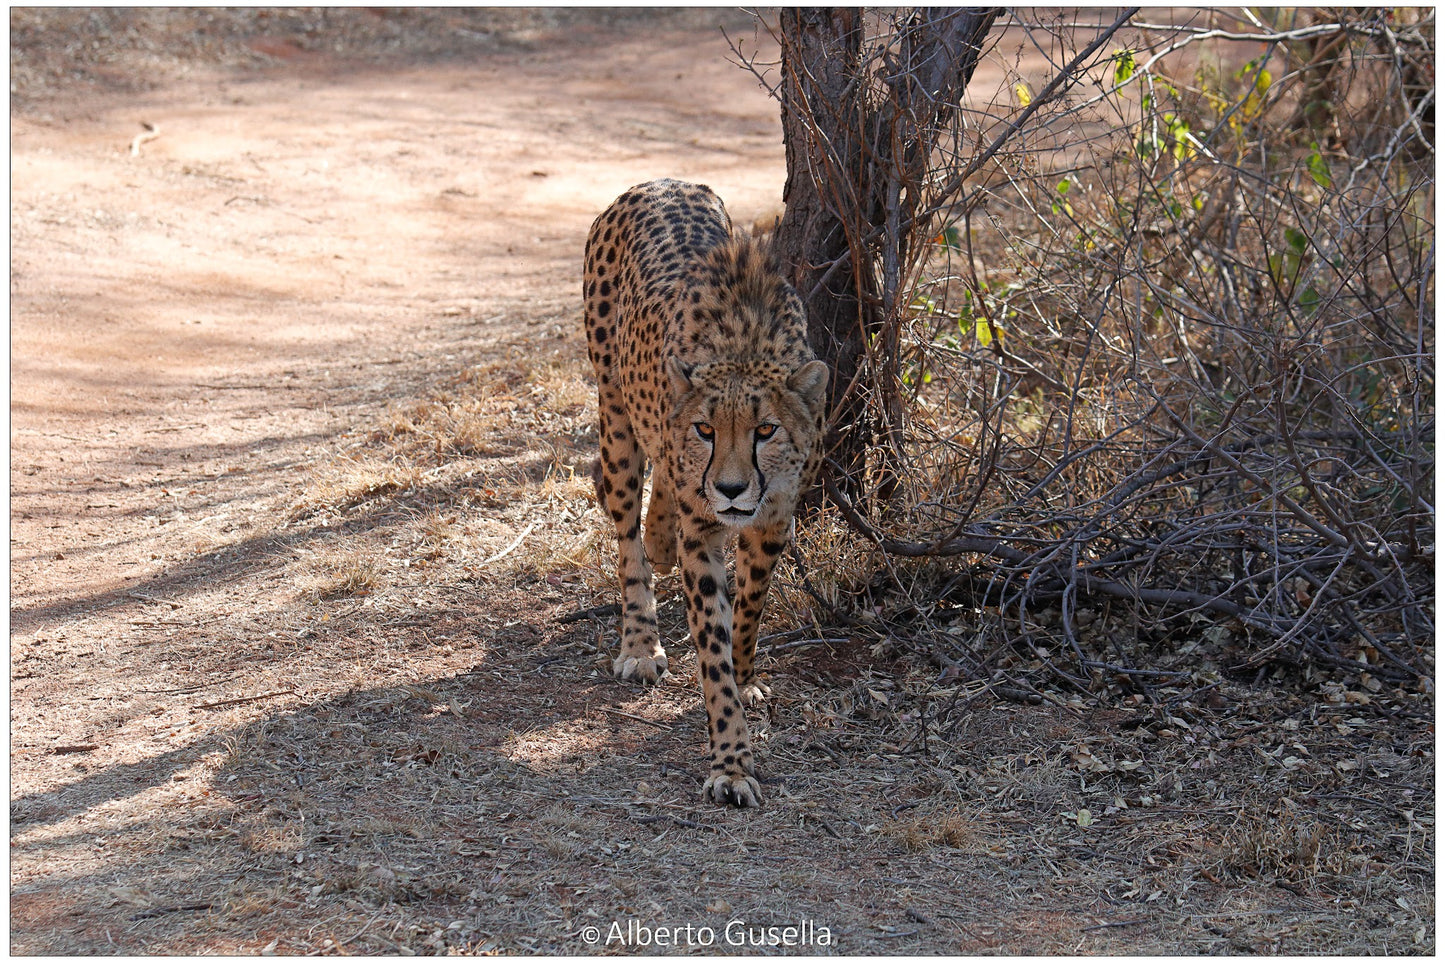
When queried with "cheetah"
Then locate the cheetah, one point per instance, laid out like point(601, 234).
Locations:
point(703, 370)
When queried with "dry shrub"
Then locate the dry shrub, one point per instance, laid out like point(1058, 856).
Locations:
point(824, 571)
point(1164, 351)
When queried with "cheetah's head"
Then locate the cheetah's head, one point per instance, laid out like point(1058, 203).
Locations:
point(742, 434)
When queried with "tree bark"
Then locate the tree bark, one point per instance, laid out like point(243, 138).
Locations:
point(859, 130)
point(820, 63)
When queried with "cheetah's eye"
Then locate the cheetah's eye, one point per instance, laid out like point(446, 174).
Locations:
point(764, 432)
point(704, 430)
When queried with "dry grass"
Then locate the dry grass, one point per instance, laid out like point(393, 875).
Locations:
point(908, 810)
point(348, 483)
point(344, 576)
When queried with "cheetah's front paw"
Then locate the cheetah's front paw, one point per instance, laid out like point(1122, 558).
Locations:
point(645, 668)
point(737, 788)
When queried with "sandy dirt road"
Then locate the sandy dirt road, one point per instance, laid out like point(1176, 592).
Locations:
point(312, 237)
point(307, 222)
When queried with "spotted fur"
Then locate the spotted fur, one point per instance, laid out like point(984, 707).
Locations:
point(703, 369)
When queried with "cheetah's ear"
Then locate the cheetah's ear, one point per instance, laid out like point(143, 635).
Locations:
point(809, 383)
point(679, 375)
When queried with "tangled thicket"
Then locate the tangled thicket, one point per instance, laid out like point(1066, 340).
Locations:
point(1156, 336)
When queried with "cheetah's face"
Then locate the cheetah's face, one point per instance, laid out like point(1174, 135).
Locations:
point(742, 436)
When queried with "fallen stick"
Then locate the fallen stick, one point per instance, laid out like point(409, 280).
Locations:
point(512, 547)
point(245, 699)
point(676, 820)
point(628, 715)
point(163, 910)
point(152, 131)
point(141, 596)
point(797, 643)
point(1105, 926)
point(596, 610)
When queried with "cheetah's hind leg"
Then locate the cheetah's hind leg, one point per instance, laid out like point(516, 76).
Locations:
point(754, 693)
point(643, 668)
point(659, 536)
point(738, 788)
point(642, 658)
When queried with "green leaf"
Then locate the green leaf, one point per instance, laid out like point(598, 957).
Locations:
point(984, 332)
point(1310, 299)
point(1178, 130)
point(1124, 67)
point(1318, 168)
point(1063, 187)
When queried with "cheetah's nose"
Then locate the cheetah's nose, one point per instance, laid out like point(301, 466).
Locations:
point(730, 491)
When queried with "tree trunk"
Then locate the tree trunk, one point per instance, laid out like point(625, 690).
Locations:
point(859, 130)
point(820, 63)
